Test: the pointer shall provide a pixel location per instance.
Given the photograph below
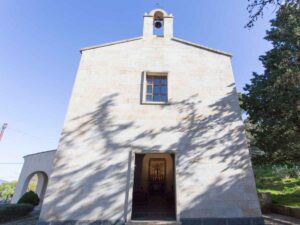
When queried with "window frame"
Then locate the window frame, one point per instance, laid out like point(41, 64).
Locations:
point(144, 87)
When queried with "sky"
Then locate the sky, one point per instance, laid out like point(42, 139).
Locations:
point(39, 56)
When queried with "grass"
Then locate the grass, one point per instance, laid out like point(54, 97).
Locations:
point(282, 182)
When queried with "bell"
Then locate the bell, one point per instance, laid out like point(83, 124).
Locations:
point(158, 24)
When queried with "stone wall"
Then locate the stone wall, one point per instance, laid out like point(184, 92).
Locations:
point(105, 123)
point(40, 163)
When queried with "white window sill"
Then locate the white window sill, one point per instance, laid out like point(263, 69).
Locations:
point(155, 103)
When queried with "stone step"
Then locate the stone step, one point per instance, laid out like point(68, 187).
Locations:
point(152, 222)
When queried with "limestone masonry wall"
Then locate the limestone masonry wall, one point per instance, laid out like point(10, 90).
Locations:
point(105, 123)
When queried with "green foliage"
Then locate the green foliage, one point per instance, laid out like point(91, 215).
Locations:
point(32, 185)
point(29, 197)
point(7, 189)
point(286, 171)
point(12, 211)
point(272, 100)
point(256, 8)
point(282, 181)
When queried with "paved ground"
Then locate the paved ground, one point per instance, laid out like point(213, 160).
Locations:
point(27, 220)
point(276, 219)
point(270, 219)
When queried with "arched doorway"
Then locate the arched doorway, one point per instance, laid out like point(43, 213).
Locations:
point(36, 182)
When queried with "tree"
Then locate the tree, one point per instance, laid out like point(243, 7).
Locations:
point(33, 183)
point(272, 100)
point(256, 8)
point(7, 190)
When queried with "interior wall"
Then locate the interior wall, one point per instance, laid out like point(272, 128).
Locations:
point(138, 172)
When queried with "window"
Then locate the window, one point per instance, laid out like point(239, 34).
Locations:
point(156, 89)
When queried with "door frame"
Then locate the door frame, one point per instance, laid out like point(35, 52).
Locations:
point(130, 182)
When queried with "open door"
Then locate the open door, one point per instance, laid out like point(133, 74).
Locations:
point(153, 191)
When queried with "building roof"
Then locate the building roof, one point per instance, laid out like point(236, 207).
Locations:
point(110, 43)
point(201, 46)
point(39, 153)
point(173, 38)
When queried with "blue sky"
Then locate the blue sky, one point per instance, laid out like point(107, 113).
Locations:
point(39, 56)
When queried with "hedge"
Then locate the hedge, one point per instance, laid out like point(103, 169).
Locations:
point(12, 211)
point(30, 197)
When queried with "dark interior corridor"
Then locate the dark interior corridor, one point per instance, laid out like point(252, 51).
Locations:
point(153, 191)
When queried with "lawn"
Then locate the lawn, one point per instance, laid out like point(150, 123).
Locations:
point(282, 182)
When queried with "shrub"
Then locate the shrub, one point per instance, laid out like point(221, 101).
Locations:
point(30, 197)
point(295, 171)
point(12, 211)
point(281, 171)
point(286, 171)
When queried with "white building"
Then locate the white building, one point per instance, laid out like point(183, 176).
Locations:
point(153, 132)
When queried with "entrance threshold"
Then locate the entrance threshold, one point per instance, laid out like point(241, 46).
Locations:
point(152, 222)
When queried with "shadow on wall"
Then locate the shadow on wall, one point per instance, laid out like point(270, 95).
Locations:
point(203, 139)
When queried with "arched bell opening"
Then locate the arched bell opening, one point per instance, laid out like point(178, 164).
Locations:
point(158, 23)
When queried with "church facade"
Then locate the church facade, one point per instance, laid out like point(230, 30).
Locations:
point(153, 134)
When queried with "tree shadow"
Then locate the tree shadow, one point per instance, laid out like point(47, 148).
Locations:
point(92, 164)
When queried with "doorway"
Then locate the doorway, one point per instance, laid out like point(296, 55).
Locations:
point(154, 187)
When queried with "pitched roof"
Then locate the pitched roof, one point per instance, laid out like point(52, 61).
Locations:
point(200, 46)
point(110, 43)
point(173, 38)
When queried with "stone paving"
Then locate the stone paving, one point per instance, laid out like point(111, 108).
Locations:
point(276, 219)
point(270, 219)
point(28, 220)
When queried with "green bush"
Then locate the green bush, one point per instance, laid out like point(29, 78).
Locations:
point(286, 171)
point(282, 181)
point(12, 211)
point(29, 197)
point(7, 190)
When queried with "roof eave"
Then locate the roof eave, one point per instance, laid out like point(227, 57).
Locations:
point(39, 153)
point(173, 38)
point(110, 43)
point(201, 46)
